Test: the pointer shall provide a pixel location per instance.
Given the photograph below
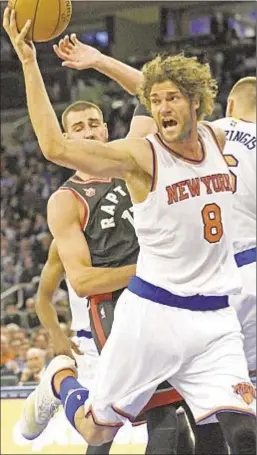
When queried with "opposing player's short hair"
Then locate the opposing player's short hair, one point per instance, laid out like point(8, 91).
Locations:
point(79, 106)
point(245, 91)
point(193, 79)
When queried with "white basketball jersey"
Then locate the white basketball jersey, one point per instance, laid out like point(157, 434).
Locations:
point(184, 225)
point(79, 310)
point(240, 153)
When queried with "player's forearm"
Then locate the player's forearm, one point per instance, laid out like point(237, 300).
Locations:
point(98, 280)
point(46, 312)
point(127, 76)
point(42, 115)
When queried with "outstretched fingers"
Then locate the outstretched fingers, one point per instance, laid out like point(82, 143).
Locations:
point(9, 24)
point(67, 43)
point(6, 19)
point(60, 53)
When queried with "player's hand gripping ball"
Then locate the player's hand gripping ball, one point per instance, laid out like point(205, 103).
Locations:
point(49, 17)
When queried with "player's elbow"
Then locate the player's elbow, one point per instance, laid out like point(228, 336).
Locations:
point(84, 282)
point(53, 148)
point(80, 287)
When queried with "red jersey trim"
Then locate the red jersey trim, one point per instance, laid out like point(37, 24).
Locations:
point(177, 155)
point(82, 182)
point(82, 200)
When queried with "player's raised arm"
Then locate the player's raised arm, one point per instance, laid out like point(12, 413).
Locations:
point(80, 56)
point(95, 158)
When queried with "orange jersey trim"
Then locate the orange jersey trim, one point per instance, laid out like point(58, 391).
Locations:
point(100, 422)
point(225, 408)
point(162, 398)
point(155, 167)
point(84, 203)
point(178, 156)
point(82, 182)
point(213, 135)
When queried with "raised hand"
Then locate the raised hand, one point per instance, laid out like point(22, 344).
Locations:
point(23, 47)
point(77, 55)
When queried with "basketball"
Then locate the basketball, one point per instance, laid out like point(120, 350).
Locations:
point(49, 17)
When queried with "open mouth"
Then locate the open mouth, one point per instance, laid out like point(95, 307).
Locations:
point(167, 124)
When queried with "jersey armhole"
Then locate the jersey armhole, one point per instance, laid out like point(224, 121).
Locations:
point(212, 133)
point(81, 200)
point(155, 167)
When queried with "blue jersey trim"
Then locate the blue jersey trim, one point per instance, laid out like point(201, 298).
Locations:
point(194, 303)
point(246, 257)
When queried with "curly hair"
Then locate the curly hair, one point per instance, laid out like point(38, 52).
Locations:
point(193, 79)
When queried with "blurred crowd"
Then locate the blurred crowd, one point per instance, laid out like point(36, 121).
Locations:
point(25, 353)
point(27, 181)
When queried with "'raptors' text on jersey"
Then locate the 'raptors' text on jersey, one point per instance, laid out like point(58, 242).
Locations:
point(184, 225)
point(240, 153)
point(108, 224)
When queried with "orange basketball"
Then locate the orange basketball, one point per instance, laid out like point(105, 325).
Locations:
point(49, 17)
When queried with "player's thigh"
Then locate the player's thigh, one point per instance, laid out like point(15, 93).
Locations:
point(245, 306)
point(214, 379)
point(136, 357)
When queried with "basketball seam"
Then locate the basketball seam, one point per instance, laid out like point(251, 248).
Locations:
point(59, 15)
point(34, 21)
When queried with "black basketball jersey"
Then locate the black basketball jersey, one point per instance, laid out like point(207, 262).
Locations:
point(108, 225)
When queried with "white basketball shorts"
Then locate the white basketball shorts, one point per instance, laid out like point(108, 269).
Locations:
point(245, 305)
point(200, 353)
point(86, 363)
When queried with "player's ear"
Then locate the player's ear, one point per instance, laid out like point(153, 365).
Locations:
point(106, 132)
point(230, 107)
point(65, 135)
point(196, 104)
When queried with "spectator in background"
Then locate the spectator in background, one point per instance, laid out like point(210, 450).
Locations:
point(6, 353)
point(12, 315)
point(32, 320)
point(42, 244)
point(8, 275)
point(18, 365)
point(40, 341)
point(40, 225)
point(30, 270)
point(35, 366)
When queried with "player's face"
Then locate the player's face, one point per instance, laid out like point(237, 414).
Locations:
point(86, 124)
point(172, 111)
point(35, 363)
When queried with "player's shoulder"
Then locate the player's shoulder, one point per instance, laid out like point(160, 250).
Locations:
point(139, 151)
point(63, 200)
point(217, 132)
point(235, 123)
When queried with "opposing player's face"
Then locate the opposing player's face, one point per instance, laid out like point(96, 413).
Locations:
point(86, 124)
point(172, 111)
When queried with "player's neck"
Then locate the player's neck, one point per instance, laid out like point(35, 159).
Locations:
point(83, 176)
point(189, 147)
point(249, 117)
point(246, 116)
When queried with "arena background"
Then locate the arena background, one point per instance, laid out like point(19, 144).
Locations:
point(221, 33)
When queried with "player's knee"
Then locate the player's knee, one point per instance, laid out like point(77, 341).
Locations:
point(239, 430)
point(93, 434)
